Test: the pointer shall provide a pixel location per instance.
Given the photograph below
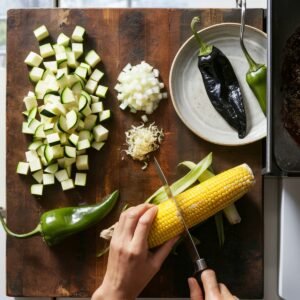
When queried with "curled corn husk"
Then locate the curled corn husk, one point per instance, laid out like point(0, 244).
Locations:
point(106, 234)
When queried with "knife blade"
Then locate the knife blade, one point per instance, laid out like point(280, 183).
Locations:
point(199, 263)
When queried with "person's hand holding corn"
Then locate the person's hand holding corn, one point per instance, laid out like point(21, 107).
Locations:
point(131, 265)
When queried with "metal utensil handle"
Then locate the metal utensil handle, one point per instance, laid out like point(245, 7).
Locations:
point(200, 266)
point(242, 28)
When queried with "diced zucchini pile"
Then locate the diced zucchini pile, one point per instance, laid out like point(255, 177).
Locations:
point(64, 114)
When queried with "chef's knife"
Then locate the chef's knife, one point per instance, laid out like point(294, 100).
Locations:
point(199, 263)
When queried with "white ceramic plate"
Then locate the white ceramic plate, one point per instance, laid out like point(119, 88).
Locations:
point(188, 92)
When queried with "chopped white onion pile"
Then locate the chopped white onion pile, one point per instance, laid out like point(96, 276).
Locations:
point(139, 88)
point(142, 140)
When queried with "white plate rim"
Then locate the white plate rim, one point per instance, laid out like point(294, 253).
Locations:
point(257, 138)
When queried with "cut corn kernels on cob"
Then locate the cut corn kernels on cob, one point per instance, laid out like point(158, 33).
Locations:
point(200, 202)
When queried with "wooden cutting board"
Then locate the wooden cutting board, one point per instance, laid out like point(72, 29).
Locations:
point(71, 268)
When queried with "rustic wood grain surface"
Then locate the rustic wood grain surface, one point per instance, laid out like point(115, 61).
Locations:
point(71, 268)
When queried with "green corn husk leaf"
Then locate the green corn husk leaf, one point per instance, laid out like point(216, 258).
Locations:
point(184, 182)
point(220, 228)
point(232, 214)
point(102, 252)
point(125, 207)
point(191, 165)
point(218, 217)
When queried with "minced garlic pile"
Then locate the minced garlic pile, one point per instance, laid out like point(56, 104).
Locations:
point(142, 140)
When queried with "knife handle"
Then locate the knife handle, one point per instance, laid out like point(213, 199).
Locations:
point(200, 266)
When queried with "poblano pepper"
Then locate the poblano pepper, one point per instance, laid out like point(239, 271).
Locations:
point(221, 84)
point(57, 224)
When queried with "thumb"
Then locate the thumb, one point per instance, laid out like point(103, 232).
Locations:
point(210, 283)
point(195, 290)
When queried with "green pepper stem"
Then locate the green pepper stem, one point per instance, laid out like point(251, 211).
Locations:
point(205, 49)
point(37, 230)
point(253, 65)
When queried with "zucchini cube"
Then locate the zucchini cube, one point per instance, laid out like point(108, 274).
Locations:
point(33, 124)
point(25, 128)
point(52, 169)
point(37, 189)
point(61, 57)
point(71, 60)
point(46, 50)
point(23, 168)
point(104, 115)
point(67, 96)
point(98, 145)
point(97, 75)
point(100, 133)
point(38, 176)
point(81, 72)
point(90, 121)
point(80, 179)
point(61, 175)
point(36, 74)
point(48, 179)
point(73, 139)
point(67, 184)
point(101, 91)
point(78, 34)
point(70, 151)
point(63, 40)
point(41, 32)
point(58, 48)
point(77, 49)
point(94, 99)
point(92, 58)
point(35, 165)
point(53, 139)
point(84, 144)
point(88, 67)
point(82, 162)
point(51, 65)
point(33, 59)
point(91, 86)
point(30, 102)
point(71, 118)
point(97, 107)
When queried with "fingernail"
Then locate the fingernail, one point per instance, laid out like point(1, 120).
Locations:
point(153, 207)
point(155, 210)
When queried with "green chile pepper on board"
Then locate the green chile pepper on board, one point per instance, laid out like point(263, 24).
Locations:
point(221, 84)
point(57, 224)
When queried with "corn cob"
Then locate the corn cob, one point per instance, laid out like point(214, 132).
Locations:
point(200, 202)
